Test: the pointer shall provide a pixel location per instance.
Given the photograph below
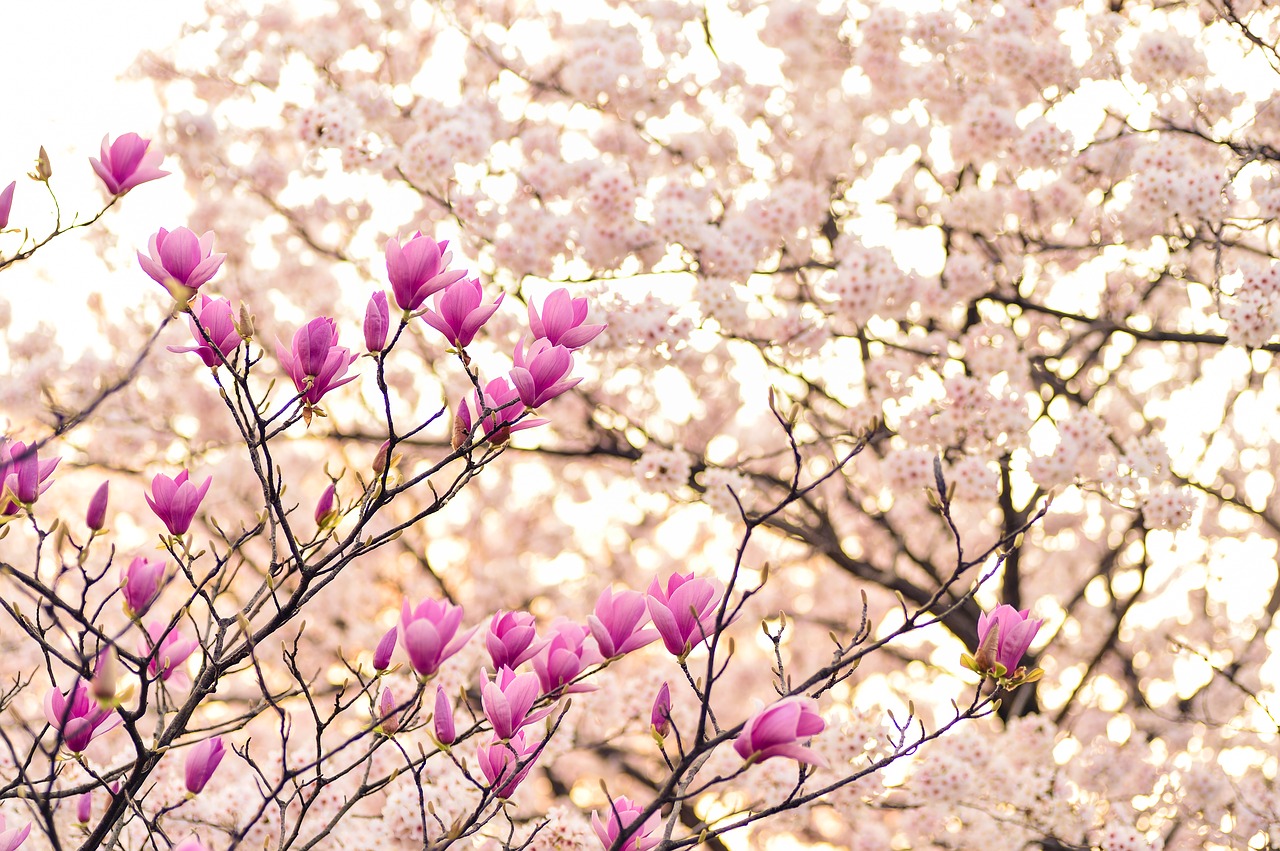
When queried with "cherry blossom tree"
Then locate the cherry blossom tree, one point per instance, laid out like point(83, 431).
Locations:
point(843, 422)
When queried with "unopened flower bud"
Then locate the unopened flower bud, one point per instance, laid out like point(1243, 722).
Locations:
point(244, 324)
point(84, 807)
point(106, 677)
point(389, 718)
point(44, 169)
point(382, 654)
point(326, 515)
point(202, 761)
point(377, 320)
point(96, 515)
point(660, 717)
point(445, 730)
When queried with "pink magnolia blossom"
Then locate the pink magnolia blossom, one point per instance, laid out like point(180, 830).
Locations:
point(126, 163)
point(442, 718)
point(316, 364)
point(777, 730)
point(541, 372)
point(6, 204)
point(460, 311)
point(14, 837)
point(684, 611)
point(618, 621)
point(377, 321)
point(505, 408)
point(570, 651)
point(141, 584)
point(95, 516)
point(1011, 631)
point(418, 269)
point(621, 813)
point(562, 321)
point(180, 261)
point(175, 500)
point(214, 315)
point(23, 477)
point(172, 650)
point(507, 700)
point(202, 761)
point(506, 763)
point(430, 634)
point(78, 716)
point(512, 639)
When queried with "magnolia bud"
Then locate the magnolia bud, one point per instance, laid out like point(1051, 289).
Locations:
point(43, 170)
point(84, 807)
point(326, 515)
point(382, 654)
point(660, 717)
point(106, 677)
point(244, 325)
point(445, 731)
point(96, 515)
point(377, 319)
point(389, 718)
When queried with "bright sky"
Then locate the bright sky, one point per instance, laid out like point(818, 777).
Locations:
point(63, 67)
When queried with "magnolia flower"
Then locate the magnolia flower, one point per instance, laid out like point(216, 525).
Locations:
point(617, 623)
point(505, 763)
point(1003, 639)
point(141, 584)
point(202, 761)
point(776, 731)
point(169, 653)
point(507, 700)
point(11, 839)
point(180, 261)
point(126, 163)
point(684, 611)
point(541, 372)
point(619, 815)
point(460, 311)
point(418, 269)
point(78, 716)
point(22, 475)
point(504, 409)
point(175, 500)
point(215, 316)
point(429, 634)
point(561, 321)
point(512, 639)
point(316, 364)
point(570, 651)
point(6, 204)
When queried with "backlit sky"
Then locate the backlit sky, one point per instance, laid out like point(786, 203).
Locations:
point(62, 72)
